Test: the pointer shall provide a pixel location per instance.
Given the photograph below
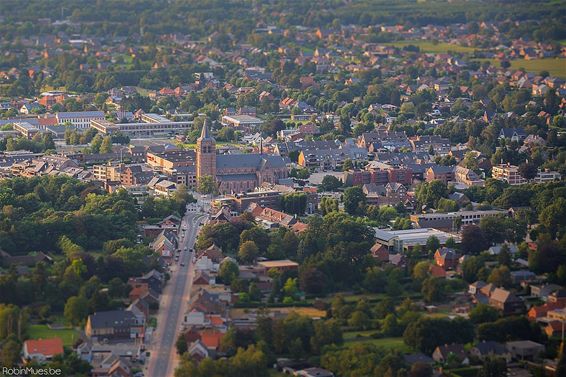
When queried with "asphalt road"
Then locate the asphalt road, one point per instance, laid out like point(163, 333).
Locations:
point(163, 358)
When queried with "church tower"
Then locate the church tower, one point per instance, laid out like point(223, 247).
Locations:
point(206, 153)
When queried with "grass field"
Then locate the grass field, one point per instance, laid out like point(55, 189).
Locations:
point(43, 332)
point(556, 67)
point(428, 46)
point(351, 338)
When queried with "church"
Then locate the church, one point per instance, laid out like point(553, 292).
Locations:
point(235, 173)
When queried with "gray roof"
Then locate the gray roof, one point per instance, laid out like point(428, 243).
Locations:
point(248, 160)
point(112, 318)
point(80, 114)
point(205, 133)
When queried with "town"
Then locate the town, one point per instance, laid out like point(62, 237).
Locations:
point(315, 189)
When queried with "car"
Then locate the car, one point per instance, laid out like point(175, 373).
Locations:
point(182, 265)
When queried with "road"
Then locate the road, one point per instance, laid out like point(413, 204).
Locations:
point(174, 301)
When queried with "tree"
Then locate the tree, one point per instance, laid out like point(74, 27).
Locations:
point(359, 320)
point(181, 344)
point(330, 183)
point(248, 252)
point(10, 353)
point(328, 205)
point(433, 289)
point(258, 235)
point(425, 334)
point(429, 193)
point(207, 185)
point(228, 271)
point(347, 165)
point(421, 271)
point(504, 257)
point(500, 276)
point(494, 367)
point(473, 240)
point(106, 146)
point(432, 244)
point(528, 170)
point(482, 313)
point(325, 333)
point(76, 310)
point(295, 203)
point(354, 201)
point(447, 205)
point(391, 326)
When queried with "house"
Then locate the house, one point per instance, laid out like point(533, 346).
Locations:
point(513, 134)
point(544, 291)
point(42, 350)
point(506, 302)
point(446, 258)
point(486, 349)
point(508, 173)
point(524, 349)
point(442, 354)
point(441, 173)
point(540, 311)
point(475, 287)
point(113, 324)
point(113, 366)
point(520, 276)
point(166, 243)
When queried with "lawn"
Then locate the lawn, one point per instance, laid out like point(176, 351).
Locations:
point(435, 48)
point(556, 67)
point(351, 338)
point(68, 335)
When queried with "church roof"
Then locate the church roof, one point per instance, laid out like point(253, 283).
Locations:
point(248, 160)
point(205, 133)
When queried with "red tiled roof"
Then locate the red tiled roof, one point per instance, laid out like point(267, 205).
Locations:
point(46, 347)
point(211, 339)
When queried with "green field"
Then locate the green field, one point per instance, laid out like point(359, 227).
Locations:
point(435, 48)
point(351, 338)
point(556, 67)
point(69, 336)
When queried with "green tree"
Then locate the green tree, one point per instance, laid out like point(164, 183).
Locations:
point(181, 344)
point(228, 271)
point(482, 313)
point(494, 367)
point(248, 252)
point(106, 146)
point(354, 201)
point(500, 276)
point(359, 320)
point(207, 185)
point(328, 205)
point(330, 183)
point(347, 165)
point(295, 203)
point(433, 289)
point(76, 310)
point(432, 244)
point(504, 256)
point(429, 193)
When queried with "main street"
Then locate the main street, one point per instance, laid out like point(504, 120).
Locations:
point(163, 359)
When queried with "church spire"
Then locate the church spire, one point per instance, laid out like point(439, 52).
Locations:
point(205, 133)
